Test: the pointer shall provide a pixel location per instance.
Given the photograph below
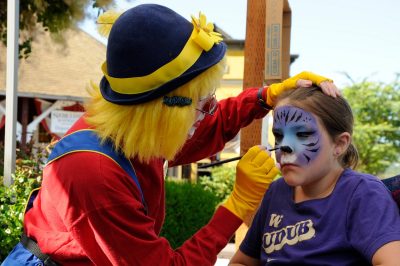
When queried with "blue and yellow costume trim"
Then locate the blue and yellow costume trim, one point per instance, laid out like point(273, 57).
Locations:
point(87, 141)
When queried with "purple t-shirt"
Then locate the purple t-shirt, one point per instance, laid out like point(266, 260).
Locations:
point(345, 228)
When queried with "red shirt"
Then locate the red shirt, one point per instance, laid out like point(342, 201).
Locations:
point(89, 210)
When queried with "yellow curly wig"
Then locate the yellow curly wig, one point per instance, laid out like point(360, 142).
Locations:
point(152, 129)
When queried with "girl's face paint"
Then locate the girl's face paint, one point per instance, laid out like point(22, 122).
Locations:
point(297, 131)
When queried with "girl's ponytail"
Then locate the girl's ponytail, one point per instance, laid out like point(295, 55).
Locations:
point(350, 157)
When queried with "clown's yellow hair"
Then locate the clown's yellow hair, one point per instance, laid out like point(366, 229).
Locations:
point(153, 129)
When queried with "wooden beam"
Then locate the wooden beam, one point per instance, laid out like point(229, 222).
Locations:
point(267, 60)
point(24, 122)
point(254, 54)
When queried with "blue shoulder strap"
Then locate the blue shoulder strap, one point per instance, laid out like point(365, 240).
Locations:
point(87, 140)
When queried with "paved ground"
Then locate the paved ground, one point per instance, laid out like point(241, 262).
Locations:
point(225, 255)
point(221, 262)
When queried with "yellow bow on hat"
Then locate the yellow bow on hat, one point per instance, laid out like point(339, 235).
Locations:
point(206, 37)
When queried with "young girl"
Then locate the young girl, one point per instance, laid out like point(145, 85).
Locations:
point(321, 212)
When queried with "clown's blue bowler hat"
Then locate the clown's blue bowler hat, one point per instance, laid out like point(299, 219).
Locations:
point(153, 50)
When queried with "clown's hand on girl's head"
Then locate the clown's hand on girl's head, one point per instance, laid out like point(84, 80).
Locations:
point(304, 79)
point(307, 79)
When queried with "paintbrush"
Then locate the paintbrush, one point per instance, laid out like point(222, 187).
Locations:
point(230, 159)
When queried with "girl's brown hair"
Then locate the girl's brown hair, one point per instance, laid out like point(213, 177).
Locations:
point(335, 114)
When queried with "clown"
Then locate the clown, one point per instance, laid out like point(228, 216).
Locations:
point(102, 198)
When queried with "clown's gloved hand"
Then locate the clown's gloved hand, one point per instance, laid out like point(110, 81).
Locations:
point(304, 79)
point(254, 173)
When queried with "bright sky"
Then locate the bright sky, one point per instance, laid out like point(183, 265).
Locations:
point(359, 37)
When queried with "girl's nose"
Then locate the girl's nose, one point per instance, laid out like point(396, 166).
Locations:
point(286, 149)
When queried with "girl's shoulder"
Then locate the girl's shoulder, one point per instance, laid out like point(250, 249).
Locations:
point(350, 176)
point(363, 183)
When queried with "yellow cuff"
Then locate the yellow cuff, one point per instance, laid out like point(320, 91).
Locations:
point(316, 79)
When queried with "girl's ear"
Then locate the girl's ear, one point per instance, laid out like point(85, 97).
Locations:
point(342, 142)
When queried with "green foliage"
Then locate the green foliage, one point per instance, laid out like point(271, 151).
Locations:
point(12, 203)
point(54, 16)
point(189, 207)
point(221, 181)
point(376, 108)
point(13, 199)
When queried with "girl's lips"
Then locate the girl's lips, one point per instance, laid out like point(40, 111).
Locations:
point(288, 165)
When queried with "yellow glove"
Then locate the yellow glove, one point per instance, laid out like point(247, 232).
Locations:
point(254, 173)
point(274, 90)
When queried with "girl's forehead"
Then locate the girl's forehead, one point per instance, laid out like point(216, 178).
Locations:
point(288, 114)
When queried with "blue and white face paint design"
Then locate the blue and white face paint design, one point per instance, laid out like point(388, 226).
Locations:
point(296, 133)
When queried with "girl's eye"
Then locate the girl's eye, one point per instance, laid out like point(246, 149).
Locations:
point(304, 134)
point(278, 136)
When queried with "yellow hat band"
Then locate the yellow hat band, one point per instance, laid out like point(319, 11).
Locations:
point(202, 38)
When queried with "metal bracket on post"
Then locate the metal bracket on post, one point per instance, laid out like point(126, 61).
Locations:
point(277, 51)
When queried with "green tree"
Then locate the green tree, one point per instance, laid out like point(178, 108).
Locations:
point(51, 15)
point(376, 108)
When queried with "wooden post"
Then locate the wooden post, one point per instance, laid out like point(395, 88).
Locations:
point(24, 122)
point(267, 60)
point(287, 24)
point(254, 54)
